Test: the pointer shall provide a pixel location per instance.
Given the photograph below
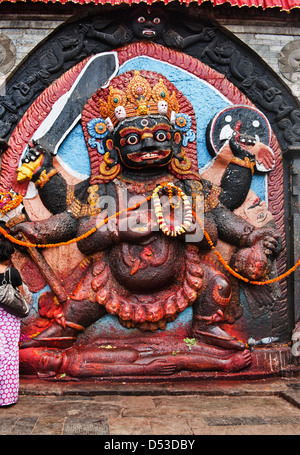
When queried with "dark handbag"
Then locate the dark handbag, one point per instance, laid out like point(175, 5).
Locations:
point(12, 300)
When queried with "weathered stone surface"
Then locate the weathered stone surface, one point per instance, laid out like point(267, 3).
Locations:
point(264, 407)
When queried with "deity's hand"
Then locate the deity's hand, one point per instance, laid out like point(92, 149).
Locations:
point(21, 230)
point(254, 260)
point(36, 151)
point(265, 157)
point(241, 144)
point(57, 228)
point(36, 159)
point(269, 238)
point(136, 226)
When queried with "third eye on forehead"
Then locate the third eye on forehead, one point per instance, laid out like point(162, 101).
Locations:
point(143, 125)
point(142, 122)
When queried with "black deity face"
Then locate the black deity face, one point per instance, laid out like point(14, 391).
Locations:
point(144, 142)
point(148, 23)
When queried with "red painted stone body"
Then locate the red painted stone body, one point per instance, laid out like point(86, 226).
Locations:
point(135, 221)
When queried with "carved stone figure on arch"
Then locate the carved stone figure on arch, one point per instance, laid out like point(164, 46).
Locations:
point(149, 23)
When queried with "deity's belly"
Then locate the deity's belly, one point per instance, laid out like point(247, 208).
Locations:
point(148, 267)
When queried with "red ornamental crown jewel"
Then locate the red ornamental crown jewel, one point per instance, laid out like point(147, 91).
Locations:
point(138, 99)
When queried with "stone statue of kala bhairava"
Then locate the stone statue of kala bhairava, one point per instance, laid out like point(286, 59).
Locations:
point(151, 220)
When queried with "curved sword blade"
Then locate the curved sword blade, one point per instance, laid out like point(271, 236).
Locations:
point(66, 112)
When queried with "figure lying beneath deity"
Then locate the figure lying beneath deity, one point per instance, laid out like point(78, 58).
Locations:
point(107, 360)
point(138, 219)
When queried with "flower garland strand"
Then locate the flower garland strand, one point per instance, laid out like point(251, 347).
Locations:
point(77, 239)
point(233, 272)
point(9, 201)
point(188, 215)
point(184, 226)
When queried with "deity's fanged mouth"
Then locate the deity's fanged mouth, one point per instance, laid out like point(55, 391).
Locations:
point(148, 32)
point(149, 156)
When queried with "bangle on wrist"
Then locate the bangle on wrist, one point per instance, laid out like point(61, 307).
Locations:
point(45, 177)
point(246, 162)
point(244, 237)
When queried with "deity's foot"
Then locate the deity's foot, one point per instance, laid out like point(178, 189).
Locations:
point(237, 361)
point(54, 336)
point(213, 334)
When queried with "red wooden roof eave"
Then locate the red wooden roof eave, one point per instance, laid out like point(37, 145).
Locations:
point(283, 5)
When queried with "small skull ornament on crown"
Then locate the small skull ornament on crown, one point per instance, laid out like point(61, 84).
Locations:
point(139, 99)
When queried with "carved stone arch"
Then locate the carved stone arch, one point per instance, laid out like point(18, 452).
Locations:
point(73, 41)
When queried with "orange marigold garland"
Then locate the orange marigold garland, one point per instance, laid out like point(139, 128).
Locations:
point(10, 200)
point(75, 240)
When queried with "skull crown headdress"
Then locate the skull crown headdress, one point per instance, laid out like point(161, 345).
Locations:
point(139, 99)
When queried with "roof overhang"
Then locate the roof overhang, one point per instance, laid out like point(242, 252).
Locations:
point(283, 5)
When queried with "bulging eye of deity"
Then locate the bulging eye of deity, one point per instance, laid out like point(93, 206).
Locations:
point(132, 139)
point(144, 142)
point(161, 136)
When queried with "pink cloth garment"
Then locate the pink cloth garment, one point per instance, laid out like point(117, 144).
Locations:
point(9, 357)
